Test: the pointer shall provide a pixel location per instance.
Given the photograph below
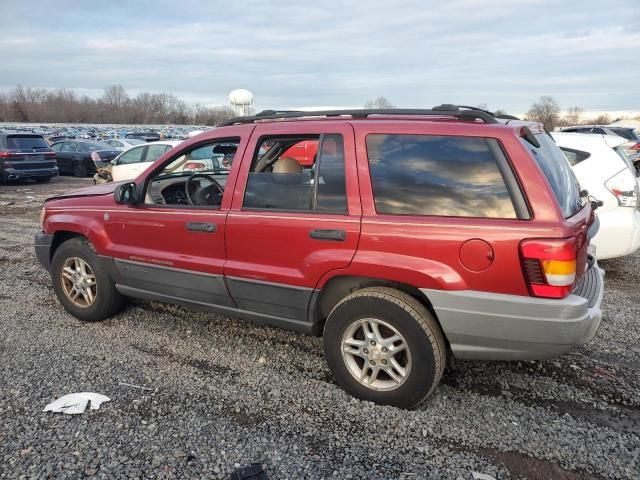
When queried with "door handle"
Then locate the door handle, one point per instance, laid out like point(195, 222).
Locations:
point(331, 235)
point(201, 227)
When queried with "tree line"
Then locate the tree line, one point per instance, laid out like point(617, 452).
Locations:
point(25, 104)
point(545, 110)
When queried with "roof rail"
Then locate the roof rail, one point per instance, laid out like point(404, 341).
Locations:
point(445, 110)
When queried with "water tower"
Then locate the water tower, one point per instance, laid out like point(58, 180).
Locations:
point(241, 102)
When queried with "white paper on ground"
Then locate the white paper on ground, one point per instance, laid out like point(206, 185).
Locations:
point(75, 403)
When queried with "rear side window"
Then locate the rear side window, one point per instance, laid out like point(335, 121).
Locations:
point(556, 168)
point(438, 175)
point(298, 174)
point(575, 156)
point(25, 142)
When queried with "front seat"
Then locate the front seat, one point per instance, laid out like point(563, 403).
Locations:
point(286, 165)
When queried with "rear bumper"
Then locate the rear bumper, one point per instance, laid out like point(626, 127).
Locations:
point(43, 242)
point(491, 326)
point(14, 174)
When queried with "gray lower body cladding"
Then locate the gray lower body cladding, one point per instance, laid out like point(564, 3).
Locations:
point(274, 304)
point(491, 326)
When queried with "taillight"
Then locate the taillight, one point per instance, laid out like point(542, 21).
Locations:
point(95, 157)
point(6, 154)
point(549, 266)
point(194, 166)
point(635, 147)
point(50, 154)
point(625, 188)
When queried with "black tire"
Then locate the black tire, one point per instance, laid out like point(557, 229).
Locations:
point(412, 321)
point(43, 179)
point(79, 169)
point(108, 301)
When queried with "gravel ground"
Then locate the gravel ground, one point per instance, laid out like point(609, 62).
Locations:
point(219, 393)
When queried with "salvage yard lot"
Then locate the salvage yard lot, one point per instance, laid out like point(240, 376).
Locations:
point(205, 394)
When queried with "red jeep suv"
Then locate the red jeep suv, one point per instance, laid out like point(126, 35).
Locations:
point(408, 236)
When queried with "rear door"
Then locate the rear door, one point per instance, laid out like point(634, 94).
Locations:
point(290, 223)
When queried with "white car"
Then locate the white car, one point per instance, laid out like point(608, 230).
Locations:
point(603, 169)
point(130, 163)
point(123, 144)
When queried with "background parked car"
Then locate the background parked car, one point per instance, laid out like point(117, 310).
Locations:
point(130, 163)
point(83, 157)
point(602, 168)
point(24, 155)
point(145, 136)
point(123, 144)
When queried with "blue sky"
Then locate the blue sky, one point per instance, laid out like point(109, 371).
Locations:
point(503, 53)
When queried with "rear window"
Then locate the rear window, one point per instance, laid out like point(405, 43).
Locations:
point(437, 175)
point(26, 142)
point(560, 176)
point(627, 133)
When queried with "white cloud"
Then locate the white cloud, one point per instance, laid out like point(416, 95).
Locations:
point(504, 53)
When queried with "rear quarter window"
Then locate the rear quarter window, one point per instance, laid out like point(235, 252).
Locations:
point(557, 170)
point(437, 175)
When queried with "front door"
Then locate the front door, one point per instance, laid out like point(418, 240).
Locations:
point(171, 246)
point(291, 221)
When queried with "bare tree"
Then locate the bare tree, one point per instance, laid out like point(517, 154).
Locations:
point(378, 103)
point(572, 117)
point(24, 104)
point(546, 111)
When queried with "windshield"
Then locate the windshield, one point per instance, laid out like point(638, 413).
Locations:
point(560, 176)
point(90, 147)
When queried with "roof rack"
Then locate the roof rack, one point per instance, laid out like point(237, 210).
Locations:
point(445, 110)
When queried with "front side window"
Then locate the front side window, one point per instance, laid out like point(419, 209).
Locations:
point(131, 156)
point(194, 177)
point(301, 173)
point(437, 175)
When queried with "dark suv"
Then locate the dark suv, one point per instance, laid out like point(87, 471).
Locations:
point(26, 155)
point(409, 236)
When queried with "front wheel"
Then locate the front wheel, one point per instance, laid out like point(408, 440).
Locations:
point(384, 346)
point(81, 285)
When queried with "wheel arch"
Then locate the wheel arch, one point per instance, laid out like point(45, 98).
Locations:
point(338, 287)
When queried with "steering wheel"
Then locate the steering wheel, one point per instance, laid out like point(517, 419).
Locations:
point(203, 195)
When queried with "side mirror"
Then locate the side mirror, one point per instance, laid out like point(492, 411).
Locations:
point(126, 194)
point(114, 162)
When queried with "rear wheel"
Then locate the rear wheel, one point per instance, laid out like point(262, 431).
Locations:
point(79, 169)
point(384, 346)
point(81, 285)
